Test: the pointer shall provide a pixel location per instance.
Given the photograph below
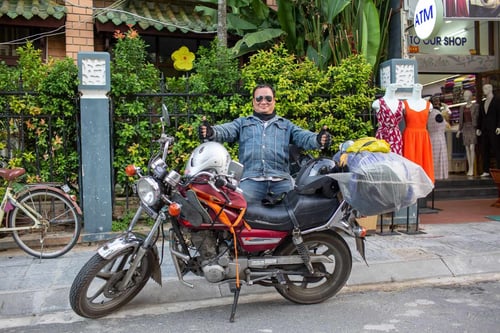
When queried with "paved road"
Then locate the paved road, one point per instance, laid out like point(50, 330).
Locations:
point(35, 290)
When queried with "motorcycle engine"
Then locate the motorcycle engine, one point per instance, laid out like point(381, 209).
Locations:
point(214, 256)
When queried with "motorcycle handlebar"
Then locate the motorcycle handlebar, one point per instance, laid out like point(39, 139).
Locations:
point(219, 182)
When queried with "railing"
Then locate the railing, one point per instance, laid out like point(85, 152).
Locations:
point(16, 137)
point(19, 138)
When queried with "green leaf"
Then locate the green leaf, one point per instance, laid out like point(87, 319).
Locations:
point(287, 20)
point(255, 38)
point(237, 23)
point(206, 11)
point(330, 9)
point(371, 32)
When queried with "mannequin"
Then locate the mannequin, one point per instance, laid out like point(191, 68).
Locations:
point(442, 107)
point(389, 112)
point(467, 123)
point(416, 141)
point(436, 126)
point(489, 128)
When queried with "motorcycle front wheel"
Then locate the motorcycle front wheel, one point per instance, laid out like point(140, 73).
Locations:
point(96, 291)
point(305, 288)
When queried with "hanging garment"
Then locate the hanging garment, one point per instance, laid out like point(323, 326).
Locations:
point(416, 141)
point(438, 141)
point(388, 126)
point(467, 124)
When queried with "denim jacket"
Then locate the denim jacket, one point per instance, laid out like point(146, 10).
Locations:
point(264, 148)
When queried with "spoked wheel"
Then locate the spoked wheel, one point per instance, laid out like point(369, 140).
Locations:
point(97, 291)
point(61, 227)
point(306, 288)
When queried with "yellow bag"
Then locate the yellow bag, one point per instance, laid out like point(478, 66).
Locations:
point(369, 144)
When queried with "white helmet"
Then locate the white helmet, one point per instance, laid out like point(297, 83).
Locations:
point(208, 156)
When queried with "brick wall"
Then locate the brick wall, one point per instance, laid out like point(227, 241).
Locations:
point(56, 46)
point(79, 28)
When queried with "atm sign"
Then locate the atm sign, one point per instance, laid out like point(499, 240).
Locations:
point(428, 18)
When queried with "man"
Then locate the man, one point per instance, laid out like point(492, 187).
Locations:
point(264, 140)
point(489, 128)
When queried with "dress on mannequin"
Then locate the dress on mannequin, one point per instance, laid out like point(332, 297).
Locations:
point(467, 124)
point(389, 112)
point(437, 126)
point(416, 140)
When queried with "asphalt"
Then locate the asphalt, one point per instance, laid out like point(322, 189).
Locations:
point(437, 253)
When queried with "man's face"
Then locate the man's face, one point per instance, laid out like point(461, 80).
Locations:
point(263, 100)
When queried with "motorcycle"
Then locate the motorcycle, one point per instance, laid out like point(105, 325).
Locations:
point(294, 245)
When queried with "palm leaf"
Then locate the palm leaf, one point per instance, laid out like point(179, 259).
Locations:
point(254, 40)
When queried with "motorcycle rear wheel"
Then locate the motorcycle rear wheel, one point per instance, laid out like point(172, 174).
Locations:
point(94, 292)
point(307, 289)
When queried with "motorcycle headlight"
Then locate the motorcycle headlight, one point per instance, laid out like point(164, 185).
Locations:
point(148, 191)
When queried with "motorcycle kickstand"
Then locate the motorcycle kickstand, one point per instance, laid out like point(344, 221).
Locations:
point(236, 290)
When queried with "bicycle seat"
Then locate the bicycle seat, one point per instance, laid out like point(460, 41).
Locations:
point(10, 174)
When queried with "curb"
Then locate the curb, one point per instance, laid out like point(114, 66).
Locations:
point(34, 301)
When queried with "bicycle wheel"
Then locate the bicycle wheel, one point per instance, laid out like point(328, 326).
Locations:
point(62, 223)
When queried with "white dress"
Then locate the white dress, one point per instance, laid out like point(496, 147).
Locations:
point(439, 148)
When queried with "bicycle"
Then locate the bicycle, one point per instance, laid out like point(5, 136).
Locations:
point(44, 220)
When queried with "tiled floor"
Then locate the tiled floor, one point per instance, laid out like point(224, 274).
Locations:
point(459, 211)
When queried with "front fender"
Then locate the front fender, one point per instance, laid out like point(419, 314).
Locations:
point(131, 240)
point(125, 241)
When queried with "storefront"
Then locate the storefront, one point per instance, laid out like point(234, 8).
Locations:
point(462, 54)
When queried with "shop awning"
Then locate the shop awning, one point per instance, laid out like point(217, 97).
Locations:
point(169, 15)
point(32, 9)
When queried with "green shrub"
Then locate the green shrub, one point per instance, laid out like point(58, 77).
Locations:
point(131, 74)
point(51, 145)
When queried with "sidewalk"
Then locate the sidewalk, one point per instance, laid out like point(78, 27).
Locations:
point(30, 287)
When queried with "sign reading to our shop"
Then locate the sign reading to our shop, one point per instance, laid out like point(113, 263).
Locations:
point(447, 41)
point(439, 41)
point(428, 18)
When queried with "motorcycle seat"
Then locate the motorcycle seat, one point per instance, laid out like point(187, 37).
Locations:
point(268, 217)
point(310, 211)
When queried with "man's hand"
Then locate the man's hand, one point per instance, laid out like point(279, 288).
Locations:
point(458, 134)
point(324, 138)
point(497, 131)
point(205, 131)
point(478, 132)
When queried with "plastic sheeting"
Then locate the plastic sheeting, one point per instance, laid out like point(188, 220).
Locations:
point(379, 183)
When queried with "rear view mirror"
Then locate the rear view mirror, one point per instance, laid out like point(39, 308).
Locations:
point(235, 170)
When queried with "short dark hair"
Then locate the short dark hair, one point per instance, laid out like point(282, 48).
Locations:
point(263, 85)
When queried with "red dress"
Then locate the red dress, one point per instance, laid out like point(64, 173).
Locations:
point(388, 126)
point(416, 140)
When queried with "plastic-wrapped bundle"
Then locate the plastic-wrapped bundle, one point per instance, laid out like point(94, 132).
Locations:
point(379, 183)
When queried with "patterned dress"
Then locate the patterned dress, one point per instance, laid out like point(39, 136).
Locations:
point(388, 126)
point(467, 123)
point(439, 148)
point(416, 140)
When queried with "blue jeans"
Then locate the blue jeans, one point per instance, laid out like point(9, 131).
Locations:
point(255, 191)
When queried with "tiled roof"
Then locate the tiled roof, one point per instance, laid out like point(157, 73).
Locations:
point(32, 8)
point(170, 15)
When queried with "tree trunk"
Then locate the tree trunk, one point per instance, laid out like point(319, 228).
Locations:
point(221, 24)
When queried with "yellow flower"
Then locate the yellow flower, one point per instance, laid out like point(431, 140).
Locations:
point(183, 59)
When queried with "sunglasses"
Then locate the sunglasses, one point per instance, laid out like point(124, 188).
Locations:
point(268, 98)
